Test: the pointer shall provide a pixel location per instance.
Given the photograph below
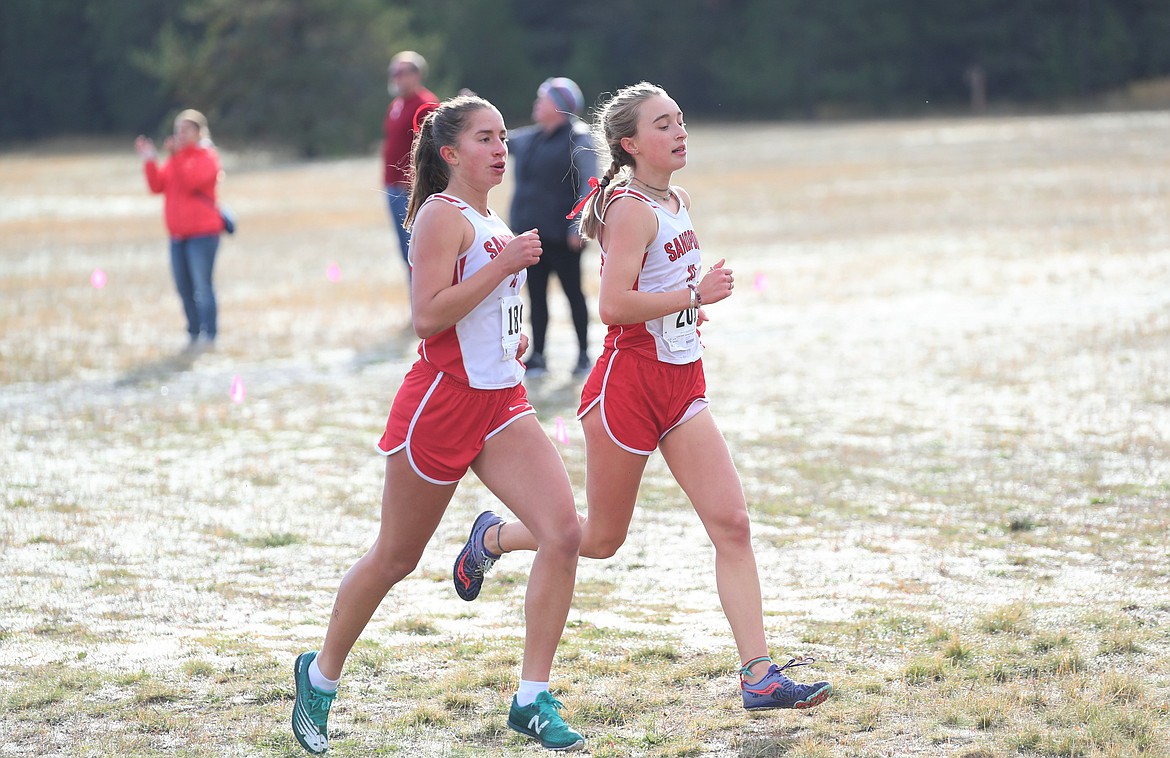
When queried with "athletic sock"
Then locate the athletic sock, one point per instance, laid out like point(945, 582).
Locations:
point(488, 550)
point(319, 680)
point(528, 691)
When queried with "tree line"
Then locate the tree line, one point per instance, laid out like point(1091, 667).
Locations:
point(309, 75)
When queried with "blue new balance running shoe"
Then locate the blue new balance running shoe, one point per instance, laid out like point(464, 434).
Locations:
point(311, 709)
point(474, 559)
point(778, 691)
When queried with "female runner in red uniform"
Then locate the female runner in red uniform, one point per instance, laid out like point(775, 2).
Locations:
point(462, 405)
point(647, 390)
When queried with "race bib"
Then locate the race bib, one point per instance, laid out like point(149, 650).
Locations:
point(512, 319)
point(678, 329)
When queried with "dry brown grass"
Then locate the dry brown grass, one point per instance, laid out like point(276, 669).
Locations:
point(945, 377)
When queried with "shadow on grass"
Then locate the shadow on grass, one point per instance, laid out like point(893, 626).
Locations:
point(160, 369)
point(762, 746)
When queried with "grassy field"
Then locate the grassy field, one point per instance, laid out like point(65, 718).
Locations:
point(945, 378)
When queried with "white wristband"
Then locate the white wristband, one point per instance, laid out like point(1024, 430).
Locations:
point(696, 298)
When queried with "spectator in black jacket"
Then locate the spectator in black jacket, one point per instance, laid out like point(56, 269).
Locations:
point(554, 160)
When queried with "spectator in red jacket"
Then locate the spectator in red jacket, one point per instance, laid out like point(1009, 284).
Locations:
point(187, 180)
point(407, 71)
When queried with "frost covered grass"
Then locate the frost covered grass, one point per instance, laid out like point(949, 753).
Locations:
point(945, 377)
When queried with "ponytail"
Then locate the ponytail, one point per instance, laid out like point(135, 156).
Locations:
point(428, 171)
point(441, 127)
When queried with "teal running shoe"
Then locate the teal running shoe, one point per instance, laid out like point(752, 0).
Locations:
point(311, 710)
point(778, 691)
point(474, 559)
point(542, 722)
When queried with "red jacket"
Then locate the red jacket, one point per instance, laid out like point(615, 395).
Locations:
point(398, 134)
point(187, 183)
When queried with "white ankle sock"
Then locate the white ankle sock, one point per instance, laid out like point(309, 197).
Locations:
point(528, 691)
point(319, 680)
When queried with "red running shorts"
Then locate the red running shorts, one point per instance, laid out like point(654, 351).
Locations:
point(641, 399)
point(442, 423)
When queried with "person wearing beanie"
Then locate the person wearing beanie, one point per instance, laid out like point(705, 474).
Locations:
point(554, 159)
point(564, 93)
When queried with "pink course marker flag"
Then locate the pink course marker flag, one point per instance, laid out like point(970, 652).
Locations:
point(237, 391)
point(333, 272)
point(562, 434)
point(97, 279)
point(761, 283)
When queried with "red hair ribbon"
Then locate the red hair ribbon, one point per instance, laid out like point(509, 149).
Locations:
point(595, 187)
point(423, 111)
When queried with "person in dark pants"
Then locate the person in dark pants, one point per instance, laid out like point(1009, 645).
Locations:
point(554, 160)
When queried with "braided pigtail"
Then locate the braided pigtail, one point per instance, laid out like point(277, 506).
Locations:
point(591, 215)
point(616, 120)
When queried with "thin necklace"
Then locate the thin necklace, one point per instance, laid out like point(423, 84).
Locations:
point(662, 192)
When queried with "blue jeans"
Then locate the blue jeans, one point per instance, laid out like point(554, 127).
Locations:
point(398, 198)
point(192, 260)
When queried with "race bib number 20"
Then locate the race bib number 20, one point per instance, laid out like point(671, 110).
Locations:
point(678, 329)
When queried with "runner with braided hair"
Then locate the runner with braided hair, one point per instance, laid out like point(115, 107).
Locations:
point(647, 391)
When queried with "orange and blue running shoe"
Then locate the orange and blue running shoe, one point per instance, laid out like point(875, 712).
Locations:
point(775, 690)
point(475, 560)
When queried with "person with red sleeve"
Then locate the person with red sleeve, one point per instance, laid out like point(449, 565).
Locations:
point(187, 180)
point(407, 71)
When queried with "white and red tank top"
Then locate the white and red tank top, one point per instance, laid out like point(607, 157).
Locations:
point(671, 262)
point(481, 347)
